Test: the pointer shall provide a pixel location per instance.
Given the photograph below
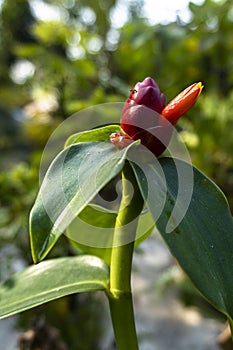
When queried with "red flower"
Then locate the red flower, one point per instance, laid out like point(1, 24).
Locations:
point(146, 117)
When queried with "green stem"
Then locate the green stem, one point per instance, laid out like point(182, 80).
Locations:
point(120, 296)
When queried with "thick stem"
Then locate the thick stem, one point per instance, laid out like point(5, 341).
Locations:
point(120, 296)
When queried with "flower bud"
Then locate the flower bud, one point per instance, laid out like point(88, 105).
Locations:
point(137, 115)
point(145, 116)
point(148, 94)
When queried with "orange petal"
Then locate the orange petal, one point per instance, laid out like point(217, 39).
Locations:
point(182, 103)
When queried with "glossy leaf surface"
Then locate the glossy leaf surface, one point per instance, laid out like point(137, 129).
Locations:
point(203, 241)
point(50, 280)
point(98, 134)
point(75, 176)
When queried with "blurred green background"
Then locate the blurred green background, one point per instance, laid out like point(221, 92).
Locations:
point(52, 68)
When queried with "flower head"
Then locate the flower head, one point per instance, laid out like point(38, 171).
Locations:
point(146, 117)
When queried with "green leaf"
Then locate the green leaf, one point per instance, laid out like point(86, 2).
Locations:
point(202, 241)
point(75, 176)
point(98, 134)
point(97, 223)
point(145, 227)
point(51, 280)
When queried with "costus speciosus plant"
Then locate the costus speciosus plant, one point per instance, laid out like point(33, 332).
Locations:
point(189, 211)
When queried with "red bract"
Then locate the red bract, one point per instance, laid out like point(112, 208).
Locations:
point(148, 94)
point(146, 117)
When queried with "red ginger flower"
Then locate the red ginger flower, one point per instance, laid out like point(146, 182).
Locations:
point(146, 117)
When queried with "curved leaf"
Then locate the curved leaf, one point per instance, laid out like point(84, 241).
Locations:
point(98, 134)
point(51, 280)
point(75, 176)
point(203, 241)
point(93, 222)
point(98, 224)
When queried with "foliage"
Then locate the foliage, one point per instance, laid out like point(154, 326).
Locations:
point(80, 60)
point(187, 226)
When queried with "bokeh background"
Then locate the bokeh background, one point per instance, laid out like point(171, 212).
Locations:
point(58, 57)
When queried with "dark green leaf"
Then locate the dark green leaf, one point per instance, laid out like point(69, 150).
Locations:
point(202, 241)
point(51, 280)
point(76, 175)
